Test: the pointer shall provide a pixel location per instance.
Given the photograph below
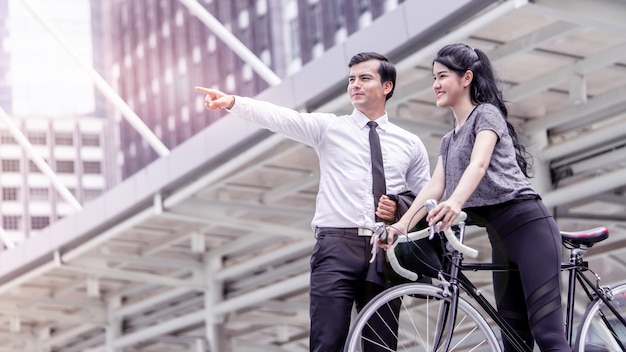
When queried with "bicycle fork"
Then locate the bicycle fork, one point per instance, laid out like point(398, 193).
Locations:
point(447, 314)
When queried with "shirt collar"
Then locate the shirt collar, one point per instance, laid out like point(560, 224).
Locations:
point(362, 120)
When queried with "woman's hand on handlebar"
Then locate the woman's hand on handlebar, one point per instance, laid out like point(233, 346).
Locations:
point(446, 212)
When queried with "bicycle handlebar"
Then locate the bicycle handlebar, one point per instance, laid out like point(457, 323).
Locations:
point(416, 235)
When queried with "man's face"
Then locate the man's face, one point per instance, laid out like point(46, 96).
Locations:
point(365, 89)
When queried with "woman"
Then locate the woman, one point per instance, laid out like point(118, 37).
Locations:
point(482, 170)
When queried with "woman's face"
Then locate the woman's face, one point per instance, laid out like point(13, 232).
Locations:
point(449, 88)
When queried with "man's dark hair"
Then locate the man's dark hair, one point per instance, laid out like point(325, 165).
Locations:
point(386, 69)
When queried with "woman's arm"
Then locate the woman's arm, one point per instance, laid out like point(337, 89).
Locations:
point(432, 190)
point(448, 210)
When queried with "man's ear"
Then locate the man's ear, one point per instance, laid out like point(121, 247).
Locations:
point(468, 77)
point(388, 86)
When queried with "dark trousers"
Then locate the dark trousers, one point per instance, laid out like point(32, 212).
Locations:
point(339, 280)
point(524, 235)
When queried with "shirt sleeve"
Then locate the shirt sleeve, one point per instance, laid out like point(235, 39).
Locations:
point(306, 128)
point(418, 174)
point(489, 117)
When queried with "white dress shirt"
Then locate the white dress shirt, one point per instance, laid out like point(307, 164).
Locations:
point(345, 195)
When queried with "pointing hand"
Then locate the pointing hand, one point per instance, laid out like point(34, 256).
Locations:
point(215, 99)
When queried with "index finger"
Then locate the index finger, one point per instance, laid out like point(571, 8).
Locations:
point(203, 90)
point(435, 215)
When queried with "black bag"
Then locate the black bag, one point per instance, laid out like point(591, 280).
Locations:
point(421, 256)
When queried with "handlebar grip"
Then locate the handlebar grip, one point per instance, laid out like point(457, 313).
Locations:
point(393, 259)
point(469, 251)
point(417, 235)
point(466, 250)
point(400, 270)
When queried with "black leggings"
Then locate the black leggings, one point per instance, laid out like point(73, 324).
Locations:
point(524, 235)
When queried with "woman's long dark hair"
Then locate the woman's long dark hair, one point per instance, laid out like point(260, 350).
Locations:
point(484, 89)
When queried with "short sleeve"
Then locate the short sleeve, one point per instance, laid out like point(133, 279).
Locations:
point(489, 117)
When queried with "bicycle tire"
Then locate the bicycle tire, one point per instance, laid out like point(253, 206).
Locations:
point(592, 332)
point(417, 326)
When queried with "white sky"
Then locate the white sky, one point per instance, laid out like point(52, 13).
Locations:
point(45, 79)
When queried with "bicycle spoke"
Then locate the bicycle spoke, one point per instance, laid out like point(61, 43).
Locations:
point(601, 329)
point(419, 318)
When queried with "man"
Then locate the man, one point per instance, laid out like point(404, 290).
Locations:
point(347, 207)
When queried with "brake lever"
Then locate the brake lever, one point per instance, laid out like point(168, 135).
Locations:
point(379, 235)
point(433, 230)
point(431, 204)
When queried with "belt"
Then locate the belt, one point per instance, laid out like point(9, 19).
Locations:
point(359, 231)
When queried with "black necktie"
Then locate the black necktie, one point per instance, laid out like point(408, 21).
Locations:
point(378, 173)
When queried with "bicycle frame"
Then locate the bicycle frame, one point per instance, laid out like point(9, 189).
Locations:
point(603, 310)
point(575, 267)
point(467, 286)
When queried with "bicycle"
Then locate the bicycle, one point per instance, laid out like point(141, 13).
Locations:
point(436, 317)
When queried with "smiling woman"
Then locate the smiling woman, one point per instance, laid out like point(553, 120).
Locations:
point(39, 63)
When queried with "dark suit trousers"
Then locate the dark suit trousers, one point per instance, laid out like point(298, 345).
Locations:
point(339, 280)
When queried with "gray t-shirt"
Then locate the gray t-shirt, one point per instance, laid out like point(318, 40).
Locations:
point(504, 179)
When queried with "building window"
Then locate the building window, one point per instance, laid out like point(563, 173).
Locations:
point(64, 139)
point(92, 167)
point(315, 25)
point(11, 165)
point(10, 193)
point(90, 194)
point(7, 138)
point(261, 36)
point(39, 222)
point(339, 14)
point(91, 140)
point(261, 7)
point(37, 138)
point(364, 6)
point(32, 167)
point(65, 166)
point(11, 222)
point(39, 193)
point(294, 40)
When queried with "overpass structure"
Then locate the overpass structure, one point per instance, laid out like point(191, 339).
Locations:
point(207, 248)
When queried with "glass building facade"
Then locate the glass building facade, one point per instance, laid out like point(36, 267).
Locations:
point(49, 99)
point(159, 51)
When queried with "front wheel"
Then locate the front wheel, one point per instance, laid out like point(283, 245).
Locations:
point(413, 317)
point(601, 329)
